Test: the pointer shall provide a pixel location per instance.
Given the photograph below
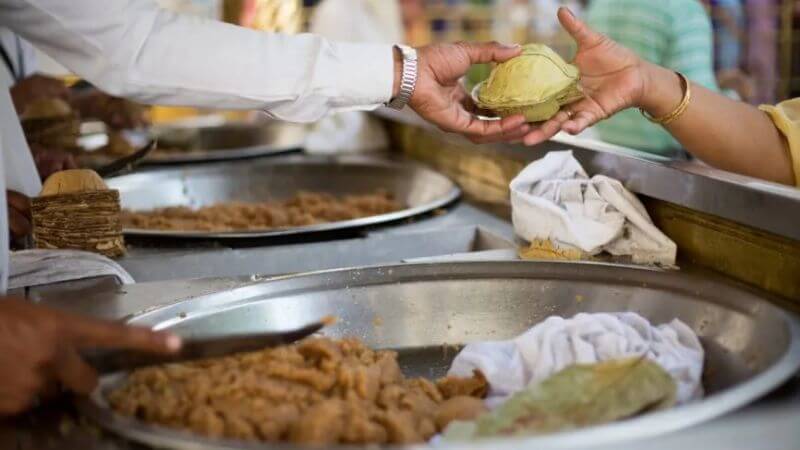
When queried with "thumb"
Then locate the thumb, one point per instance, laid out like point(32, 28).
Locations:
point(583, 35)
point(486, 52)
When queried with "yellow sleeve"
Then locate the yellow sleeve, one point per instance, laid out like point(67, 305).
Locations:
point(786, 116)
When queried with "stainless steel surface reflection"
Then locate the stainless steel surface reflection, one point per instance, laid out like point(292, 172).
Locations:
point(427, 309)
point(419, 189)
point(226, 141)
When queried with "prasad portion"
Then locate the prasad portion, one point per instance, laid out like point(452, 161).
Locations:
point(303, 209)
point(317, 391)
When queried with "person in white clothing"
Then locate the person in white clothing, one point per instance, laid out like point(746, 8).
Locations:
point(18, 59)
point(375, 21)
point(134, 49)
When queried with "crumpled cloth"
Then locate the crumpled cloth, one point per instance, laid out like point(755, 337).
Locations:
point(39, 267)
point(346, 132)
point(554, 199)
point(552, 345)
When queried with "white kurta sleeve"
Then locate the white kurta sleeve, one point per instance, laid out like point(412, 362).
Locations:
point(134, 49)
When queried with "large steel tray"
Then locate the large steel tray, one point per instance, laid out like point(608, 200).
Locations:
point(227, 141)
point(421, 190)
point(425, 310)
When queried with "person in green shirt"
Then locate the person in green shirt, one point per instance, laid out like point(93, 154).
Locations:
point(675, 34)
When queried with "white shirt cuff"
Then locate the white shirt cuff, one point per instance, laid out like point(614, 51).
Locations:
point(367, 80)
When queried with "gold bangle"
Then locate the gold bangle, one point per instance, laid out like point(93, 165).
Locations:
point(679, 110)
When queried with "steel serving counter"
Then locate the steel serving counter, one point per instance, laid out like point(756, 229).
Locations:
point(759, 207)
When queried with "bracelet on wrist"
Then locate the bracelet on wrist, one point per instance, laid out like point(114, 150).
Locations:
point(679, 110)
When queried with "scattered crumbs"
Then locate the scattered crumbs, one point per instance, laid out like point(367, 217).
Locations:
point(439, 212)
point(579, 298)
point(449, 327)
point(377, 321)
point(182, 315)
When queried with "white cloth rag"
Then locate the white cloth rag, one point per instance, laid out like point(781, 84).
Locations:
point(554, 199)
point(39, 267)
point(552, 345)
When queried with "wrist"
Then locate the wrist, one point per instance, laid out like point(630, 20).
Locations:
point(662, 90)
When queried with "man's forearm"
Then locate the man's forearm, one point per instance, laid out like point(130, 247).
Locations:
point(725, 133)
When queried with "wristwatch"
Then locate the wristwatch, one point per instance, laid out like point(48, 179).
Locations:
point(409, 78)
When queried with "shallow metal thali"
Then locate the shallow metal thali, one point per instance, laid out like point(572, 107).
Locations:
point(419, 189)
point(227, 141)
point(425, 310)
point(196, 143)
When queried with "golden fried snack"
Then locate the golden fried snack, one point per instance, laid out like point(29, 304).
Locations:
point(318, 391)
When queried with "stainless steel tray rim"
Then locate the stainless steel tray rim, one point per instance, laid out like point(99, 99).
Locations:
point(220, 155)
point(292, 138)
point(646, 426)
point(451, 194)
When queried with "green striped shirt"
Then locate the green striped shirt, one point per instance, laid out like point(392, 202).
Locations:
point(676, 34)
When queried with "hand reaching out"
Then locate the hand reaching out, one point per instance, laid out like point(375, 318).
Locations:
point(440, 98)
point(612, 78)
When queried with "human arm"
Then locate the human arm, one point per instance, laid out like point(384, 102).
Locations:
point(118, 113)
point(19, 215)
point(725, 133)
point(133, 49)
point(39, 350)
point(36, 87)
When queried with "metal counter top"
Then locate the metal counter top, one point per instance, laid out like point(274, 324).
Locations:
point(761, 204)
point(770, 424)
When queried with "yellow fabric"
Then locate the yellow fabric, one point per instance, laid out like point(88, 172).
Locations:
point(786, 116)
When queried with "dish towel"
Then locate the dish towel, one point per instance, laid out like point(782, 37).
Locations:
point(39, 267)
point(552, 345)
point(553, 199)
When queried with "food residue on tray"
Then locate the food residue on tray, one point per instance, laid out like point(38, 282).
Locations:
point(303, 209)
point(317, 391)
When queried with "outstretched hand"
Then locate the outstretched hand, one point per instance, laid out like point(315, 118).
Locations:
point(440, 98)
point(612, 79)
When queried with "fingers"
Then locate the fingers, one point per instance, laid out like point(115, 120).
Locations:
point(583, 35)
point(475, 127)
point(487, 52)
point(86, 332)
point(546, 130)
point(578, 123)
point(73, 373)
point(19, 394)
point(509, 135)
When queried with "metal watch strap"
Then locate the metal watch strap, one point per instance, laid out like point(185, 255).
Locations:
point(409, 78)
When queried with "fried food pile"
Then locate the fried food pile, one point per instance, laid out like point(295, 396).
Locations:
point(304, 208)
point(318, 391)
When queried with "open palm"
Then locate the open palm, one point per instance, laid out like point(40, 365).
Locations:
point(611, 79)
